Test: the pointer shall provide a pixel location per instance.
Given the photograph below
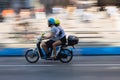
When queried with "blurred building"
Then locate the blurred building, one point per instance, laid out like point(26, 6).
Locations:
point(105, 2)
point(15, 4)
point(48, 4)
point(108, 2)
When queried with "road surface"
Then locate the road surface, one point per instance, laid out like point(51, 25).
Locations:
point(80, 68)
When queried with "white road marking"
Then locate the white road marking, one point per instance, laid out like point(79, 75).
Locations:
point(95, 65)
point(73, 65)
point(25, 65)
point(113, 68)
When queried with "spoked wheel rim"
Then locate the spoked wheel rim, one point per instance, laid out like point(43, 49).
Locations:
point(32, 56)
point(66, 56)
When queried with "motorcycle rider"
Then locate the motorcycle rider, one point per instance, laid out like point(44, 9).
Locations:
point(62, 37)
point(57, 37)
point(53, 36)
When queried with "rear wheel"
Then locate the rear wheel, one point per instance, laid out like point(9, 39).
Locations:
point(31, 56)
point(65, 55)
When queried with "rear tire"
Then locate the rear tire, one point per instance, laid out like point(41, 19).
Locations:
point(65, 55)
point(31, 56)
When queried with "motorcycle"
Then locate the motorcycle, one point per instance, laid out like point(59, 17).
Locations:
point(63, 53)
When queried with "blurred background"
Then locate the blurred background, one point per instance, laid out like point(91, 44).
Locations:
point(95, 22)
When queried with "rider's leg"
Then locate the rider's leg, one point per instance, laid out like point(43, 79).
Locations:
point(54, 45)
point(44, 46)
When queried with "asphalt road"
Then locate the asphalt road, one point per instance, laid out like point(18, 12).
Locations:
point(80, 68)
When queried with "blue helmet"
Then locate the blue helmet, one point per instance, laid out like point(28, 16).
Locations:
point(51, 21)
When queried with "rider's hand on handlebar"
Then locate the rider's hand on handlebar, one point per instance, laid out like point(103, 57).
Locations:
point(42, 35)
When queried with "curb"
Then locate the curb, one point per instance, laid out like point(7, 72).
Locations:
point(83, 51)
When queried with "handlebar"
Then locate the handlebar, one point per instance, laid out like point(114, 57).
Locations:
point(42, 34)
point(41, 37)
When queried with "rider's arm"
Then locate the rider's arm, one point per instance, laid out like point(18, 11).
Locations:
point(50, 35)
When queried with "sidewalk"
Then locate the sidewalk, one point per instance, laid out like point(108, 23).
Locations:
point(100, 32)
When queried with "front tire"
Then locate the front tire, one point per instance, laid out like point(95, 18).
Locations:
point(65, 55)
point(31, 56)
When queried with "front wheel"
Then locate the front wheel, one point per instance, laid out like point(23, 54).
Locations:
point(31, 56)
point(65, 55)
